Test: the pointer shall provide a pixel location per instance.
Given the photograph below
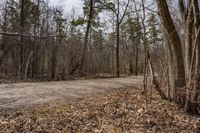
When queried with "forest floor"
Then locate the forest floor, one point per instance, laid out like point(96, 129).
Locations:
point(121, 110)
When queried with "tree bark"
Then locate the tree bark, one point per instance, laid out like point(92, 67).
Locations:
point(171, 68)
point(118, 39)
point(174, 39)
point(188, 39)
point(193, 90)
point(117, 48)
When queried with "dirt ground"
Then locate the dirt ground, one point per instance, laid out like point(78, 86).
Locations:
point(29, 94)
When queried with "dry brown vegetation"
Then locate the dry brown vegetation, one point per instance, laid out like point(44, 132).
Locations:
point(117, 111)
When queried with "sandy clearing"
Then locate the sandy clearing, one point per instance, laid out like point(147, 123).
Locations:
point(30, 94)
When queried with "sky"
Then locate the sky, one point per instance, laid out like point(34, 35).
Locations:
point(69, 5)
point(77, 5)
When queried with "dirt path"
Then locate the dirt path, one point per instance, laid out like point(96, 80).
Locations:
point(30, 94)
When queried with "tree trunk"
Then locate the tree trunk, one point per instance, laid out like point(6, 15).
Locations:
point(188, 39)
point(84, 54)
point(171, 69)
point(36, 43)
point(117, 48)
point(193, 93)
point(21, 43)
point(53, 60)
point(136, 59)
point(27, 65)
point(148, 59)
point(172, 35)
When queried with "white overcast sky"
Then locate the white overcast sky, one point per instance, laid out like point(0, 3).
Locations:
point(68, 5)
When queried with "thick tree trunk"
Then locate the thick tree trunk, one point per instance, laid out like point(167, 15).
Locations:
point(193, 93)
point(188, 40)
point(174, 39)
point(171, 69)
point(172, 35)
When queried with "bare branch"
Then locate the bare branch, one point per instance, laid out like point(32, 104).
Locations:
point(146, 7)
point(124, 12)
point(27, 35)
point(107, 7)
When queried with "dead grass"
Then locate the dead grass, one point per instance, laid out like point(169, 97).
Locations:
point(119, 111)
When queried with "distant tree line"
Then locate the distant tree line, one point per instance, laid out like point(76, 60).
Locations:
point(38, 42)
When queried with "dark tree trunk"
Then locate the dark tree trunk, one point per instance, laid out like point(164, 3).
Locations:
point(84, 54)
point(172, 35)
point(136, 59)
point(117, 48)
point(21, 43)
point(53, 61)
